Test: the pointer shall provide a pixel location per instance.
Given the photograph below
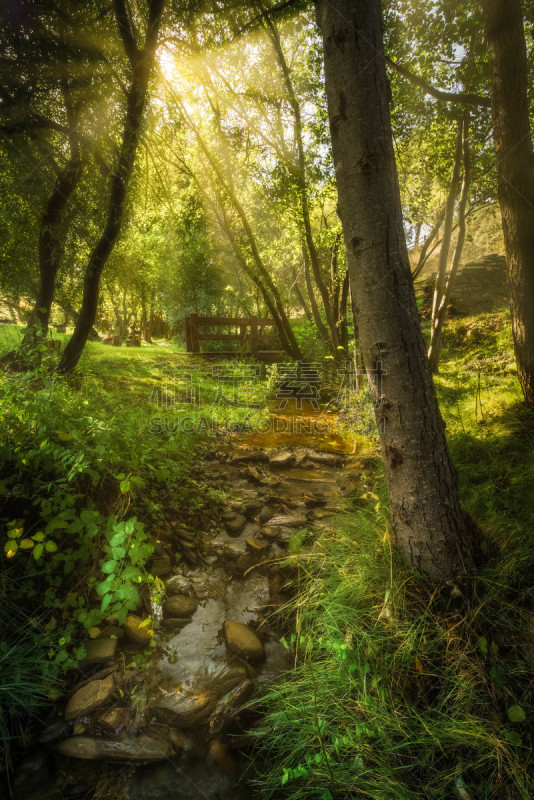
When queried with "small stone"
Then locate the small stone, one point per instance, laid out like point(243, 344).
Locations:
point(242, 642)
point(99, 651)
point(243, 563)
point(235, 526)
point(134, 632)
point(258, 545)
point(114, 720)
point(228, 515)
point(180, 606)
point(200, 588)
point(179, 585)
point(252, 508)
point(289, 521)
point(90, 697)
point(127, 748)
point(266, 514)
point(284, 458)
point(161, 567)
point(269, 532)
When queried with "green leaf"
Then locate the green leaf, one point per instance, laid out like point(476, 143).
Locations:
point(106, 600)
point(38, 537)
point(38, 551)
point(516, 714)
point(117, 539)
point(124, 486)
point(514, 738)
point(109, 567)
point(50, 546)
point(498, 674)
point(482, 644)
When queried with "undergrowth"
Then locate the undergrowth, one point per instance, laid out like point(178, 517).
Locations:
point(400, 692)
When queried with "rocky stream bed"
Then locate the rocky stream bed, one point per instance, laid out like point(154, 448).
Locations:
point(180, 728)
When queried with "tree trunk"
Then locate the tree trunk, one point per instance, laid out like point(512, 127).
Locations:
point(441, 312)
point(428, 523)
point(51, 242)
point(515, 172)
point(441, 275)
point(141, 63)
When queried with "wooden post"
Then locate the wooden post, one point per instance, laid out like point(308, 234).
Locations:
point(242, 335)
point(254, 341)
point(195, 341)
point(188, 345)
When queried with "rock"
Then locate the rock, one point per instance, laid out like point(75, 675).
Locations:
point(229, 705)
point(252, 508)
point(161, 567)
point(99, 651)
point(180, 606)
point(269, 532)
point(288, 521)
point(179, 585)
point(266, 514)
point(242, 642)
point(251, 457)
point(258, 546)
point(184, 709)
point(114, 720)
point(283, 458)
point(314, 499)
point(112, 631)
point(228, 515)
point(90, 697)
point(201, 589)
point(134, 632)
point(127, 748)
point(252, 474)
point(243, 563)
point(326, 459)
point(235, 526)
point(56, 730)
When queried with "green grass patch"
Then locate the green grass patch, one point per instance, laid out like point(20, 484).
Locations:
point(400, 693)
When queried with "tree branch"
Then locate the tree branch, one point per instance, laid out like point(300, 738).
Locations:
point(452, 97)
point(125, 30)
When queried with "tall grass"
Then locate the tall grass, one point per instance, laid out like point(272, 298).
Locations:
point(400, 692)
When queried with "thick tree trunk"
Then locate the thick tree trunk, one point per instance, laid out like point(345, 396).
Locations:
point(51, 243)
point(428, 523)
point(141, 63)
point(515, 172)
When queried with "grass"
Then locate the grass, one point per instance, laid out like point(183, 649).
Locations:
point(113, 452)
point(400, 693)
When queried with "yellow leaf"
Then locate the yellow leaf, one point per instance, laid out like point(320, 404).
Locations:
point(418, 665)
point(145, 623)
point(94, 633)
point(26, 544)
point(494, 648)
point(10, 553)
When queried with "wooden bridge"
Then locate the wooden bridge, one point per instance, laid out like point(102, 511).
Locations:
point(250, 336)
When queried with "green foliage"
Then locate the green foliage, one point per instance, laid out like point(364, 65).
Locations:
point(403, 693)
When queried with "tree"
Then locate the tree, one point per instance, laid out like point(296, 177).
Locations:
point(515, 172)
point(141, 60)
point(428, 524)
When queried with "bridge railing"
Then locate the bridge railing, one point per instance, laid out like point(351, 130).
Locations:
point(250, 331)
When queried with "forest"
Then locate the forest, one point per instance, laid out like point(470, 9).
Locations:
point(266, 399)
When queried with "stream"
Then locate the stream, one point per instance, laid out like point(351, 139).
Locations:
point(180, 726)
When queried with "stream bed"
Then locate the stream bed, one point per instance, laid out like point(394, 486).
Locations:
point(181, 727)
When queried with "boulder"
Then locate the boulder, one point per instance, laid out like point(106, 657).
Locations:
point(235, 525)
point(258, 546)
point(161, 567)
point(99, 651)
point(135, 633)
point(180, 606)
point(283, 458)
point(242, 642)
point(90, 697)
point(114, 720)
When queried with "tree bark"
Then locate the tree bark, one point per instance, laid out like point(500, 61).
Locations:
point(141, 61)
point(515, 172)
point(51, 242)
point(428, 523)
point(438, 319)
